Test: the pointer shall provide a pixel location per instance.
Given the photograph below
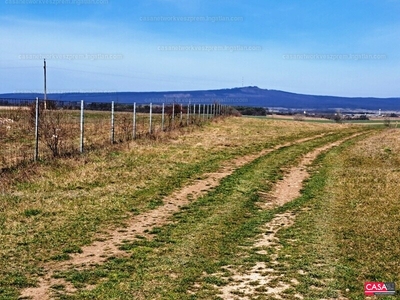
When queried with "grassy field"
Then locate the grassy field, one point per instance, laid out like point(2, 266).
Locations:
point(391, 122)
point(50, 210)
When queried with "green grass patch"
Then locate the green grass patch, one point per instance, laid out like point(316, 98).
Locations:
point(32, 212)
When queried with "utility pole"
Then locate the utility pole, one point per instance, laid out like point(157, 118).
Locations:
point(45, 87)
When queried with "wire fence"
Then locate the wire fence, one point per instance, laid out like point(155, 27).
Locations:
point(35, 129)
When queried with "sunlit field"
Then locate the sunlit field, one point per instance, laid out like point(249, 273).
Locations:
point(52, 209)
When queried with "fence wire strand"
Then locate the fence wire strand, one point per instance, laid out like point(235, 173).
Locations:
point(60, 133)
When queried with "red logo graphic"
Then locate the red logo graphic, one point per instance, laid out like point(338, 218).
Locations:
point(379, 288)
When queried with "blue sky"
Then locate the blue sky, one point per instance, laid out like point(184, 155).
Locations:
point(336, 47)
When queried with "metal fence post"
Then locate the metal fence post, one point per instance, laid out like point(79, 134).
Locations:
point(181, 114)
point(151, 115)
point(199, 113)
point(188, 114)
point(134, 121)
point(194, 113)
point(162, 117)
point(82, 127)
point(172, 120)
point(112, 123)
point(36, 156)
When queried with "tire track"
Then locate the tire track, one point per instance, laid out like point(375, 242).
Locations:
point(108, 245)
point(257, 281)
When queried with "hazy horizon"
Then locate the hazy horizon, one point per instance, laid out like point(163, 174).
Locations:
point(183, 91)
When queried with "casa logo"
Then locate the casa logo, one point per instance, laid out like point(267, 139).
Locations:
point(379, 288)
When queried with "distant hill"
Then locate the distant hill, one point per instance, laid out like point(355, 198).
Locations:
point(245, 96)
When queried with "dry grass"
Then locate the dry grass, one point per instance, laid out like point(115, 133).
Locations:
point(347, 231)
point(56, 207)
point(366, 199)
point(17, 134)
